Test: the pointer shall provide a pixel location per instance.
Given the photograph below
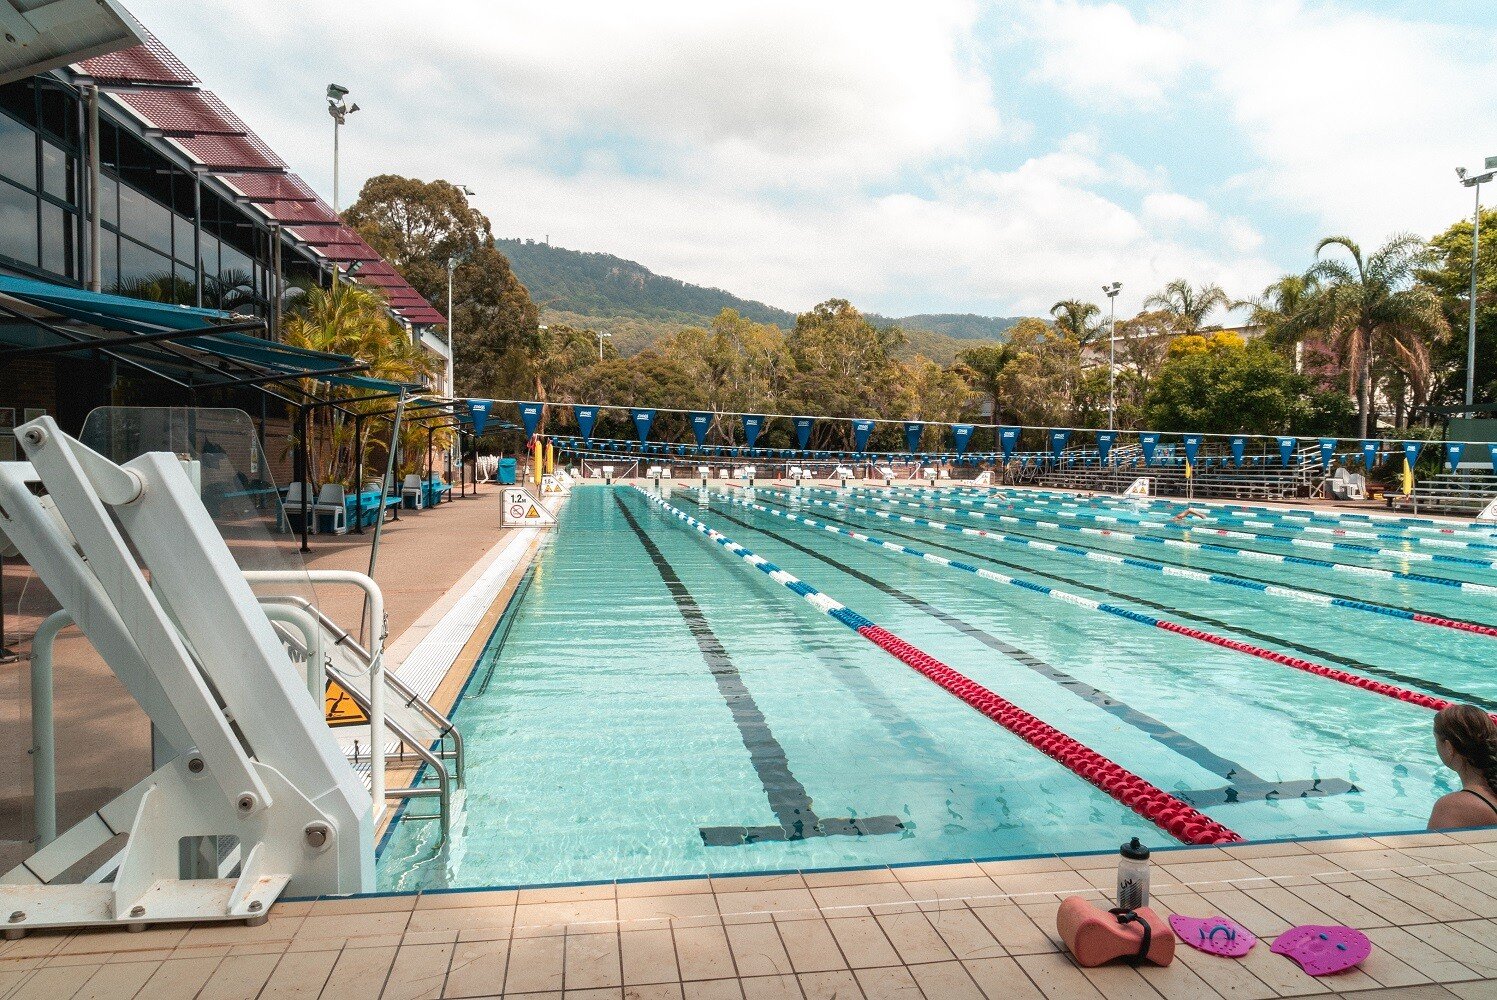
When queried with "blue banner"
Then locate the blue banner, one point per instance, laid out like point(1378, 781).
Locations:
point(912, 431)
point(1104, 444)
point(1239, 448)
point(1148, 441)
point(1286, 449)
point(643, 420)
point(1059, 438)
point(1411, 450)
point(1327, 453)
point(1369, 455)
point(479, 409)
point(701, 423)
point(1192, 446)
point(530, 416)
point(1008, 438)
point(1492, 455)
point(751, 428)
point(586, 417)
point(803, 431)
point(861, 429)
point(1453, 452)
point(961, 434)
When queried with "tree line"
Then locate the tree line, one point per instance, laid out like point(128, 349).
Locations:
point(1357, 340)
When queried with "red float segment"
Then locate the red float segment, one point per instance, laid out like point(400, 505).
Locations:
point(1319, 669)
point(1178, 818)
point(1420, 616)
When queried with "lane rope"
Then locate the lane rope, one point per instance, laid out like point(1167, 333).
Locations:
point(1178, 818)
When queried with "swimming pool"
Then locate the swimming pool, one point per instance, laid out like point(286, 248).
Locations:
point(651, 706)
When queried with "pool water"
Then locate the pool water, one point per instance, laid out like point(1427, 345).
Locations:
point(652, 706)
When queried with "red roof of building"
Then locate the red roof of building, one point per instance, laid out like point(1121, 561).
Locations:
point(270, 187)
point(149, 62)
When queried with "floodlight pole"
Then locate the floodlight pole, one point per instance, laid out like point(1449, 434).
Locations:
point(1475, 183)
point(1112, 352)
point(451, 385)
point(601, 335)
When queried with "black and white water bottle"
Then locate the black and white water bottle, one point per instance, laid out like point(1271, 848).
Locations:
point(1133, 876)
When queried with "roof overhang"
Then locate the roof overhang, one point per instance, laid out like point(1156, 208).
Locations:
point(41, 35)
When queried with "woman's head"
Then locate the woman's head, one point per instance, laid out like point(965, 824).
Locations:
point(1466, 734)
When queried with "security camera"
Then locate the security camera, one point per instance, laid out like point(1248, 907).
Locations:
point(1460, 172)
point(335, 92)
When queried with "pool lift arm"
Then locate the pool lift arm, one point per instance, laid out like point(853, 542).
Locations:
point(253, 758)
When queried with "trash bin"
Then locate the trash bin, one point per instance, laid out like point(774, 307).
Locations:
point(506, 472)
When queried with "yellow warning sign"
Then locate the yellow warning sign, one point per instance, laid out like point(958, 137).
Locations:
point(532, 512)
point(341, 709)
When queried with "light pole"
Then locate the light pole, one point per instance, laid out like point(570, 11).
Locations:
point(1112, 352)
point(451, 270)
point(1474, 182)
point(601, 337)
point(339, 110)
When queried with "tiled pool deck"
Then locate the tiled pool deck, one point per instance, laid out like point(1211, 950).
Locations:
point(1427, 901)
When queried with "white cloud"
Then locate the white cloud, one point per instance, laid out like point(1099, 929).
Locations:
point(1102, 53)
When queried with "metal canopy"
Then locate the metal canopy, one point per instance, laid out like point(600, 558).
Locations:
point(40, 35)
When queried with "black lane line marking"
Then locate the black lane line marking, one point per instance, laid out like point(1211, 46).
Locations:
point(1434, 687)
point(788, 798)
point(1245, 785)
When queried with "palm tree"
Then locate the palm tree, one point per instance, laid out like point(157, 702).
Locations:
point(1279, 305)
point(1190, 305)
point(1077, 319)
point(1366, 302)
point(984, 366)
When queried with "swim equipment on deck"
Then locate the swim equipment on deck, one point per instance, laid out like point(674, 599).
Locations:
point(251, 757)
point(1308, 666)
point(1158, 806)
point(1219, 579)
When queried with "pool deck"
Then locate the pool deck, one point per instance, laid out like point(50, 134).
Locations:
point(970, 929)
point(953, 930)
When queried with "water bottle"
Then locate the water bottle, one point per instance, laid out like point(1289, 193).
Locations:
point(1133, 876)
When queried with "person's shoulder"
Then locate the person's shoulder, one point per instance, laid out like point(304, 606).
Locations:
point(1460, 809)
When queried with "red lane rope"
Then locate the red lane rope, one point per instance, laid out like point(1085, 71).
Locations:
point(1180, 819)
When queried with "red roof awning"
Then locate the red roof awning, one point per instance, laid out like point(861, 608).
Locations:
point(149, 62)
point(183, 112)
point(379, 280)
point(270, 187)
point(229, 152)
point(347, 251)
point(291, 213)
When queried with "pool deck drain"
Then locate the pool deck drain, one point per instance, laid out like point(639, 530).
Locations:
point(968, 929)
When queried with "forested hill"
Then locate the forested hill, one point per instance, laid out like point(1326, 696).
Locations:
point(602, 285)
point(637, 306)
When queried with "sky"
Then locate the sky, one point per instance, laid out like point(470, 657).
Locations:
point(943, 156)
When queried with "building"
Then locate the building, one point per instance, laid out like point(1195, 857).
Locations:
point(169, 196)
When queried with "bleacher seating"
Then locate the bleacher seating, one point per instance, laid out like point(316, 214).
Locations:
point(1259, 478)
point(1464, 491)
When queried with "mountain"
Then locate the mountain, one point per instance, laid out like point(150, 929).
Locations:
point(637, 306)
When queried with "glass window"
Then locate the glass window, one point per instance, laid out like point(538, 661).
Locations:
point(17, 152)
point(55, 173)
point(236, 267)
point(109, 199)
point(109, 261)
point(182, 236)
point(210, 256)
point(139, 265)
point(17, 224)
point(145, 219)
point(58, 240)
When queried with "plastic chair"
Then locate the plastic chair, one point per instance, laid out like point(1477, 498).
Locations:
point(331, 502)
point(412, 493)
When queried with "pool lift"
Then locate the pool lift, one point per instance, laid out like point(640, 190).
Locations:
point(253, 765)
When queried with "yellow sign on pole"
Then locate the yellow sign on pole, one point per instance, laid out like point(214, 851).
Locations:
point(341, 709)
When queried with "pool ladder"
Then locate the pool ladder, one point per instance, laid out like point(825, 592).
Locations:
point(437, 740)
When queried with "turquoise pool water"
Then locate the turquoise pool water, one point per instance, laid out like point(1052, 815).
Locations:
point(651, 706)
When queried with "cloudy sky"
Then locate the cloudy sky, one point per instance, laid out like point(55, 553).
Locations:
point(941, 156)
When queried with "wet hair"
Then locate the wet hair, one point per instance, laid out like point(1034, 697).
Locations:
point(1473, 734)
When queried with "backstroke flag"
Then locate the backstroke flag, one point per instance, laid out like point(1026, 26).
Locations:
point(1411, 450)
point(861, 429)
point(751, 428)
point(1369, 454)
point(1286, 449)
point(701, 423)
point(530, 416)
point(1492, 455)
point(586, 416)
point(1192, 445)
point(1059, 438)
point(912, 431)
point(1104, 444)
point(803, 431)
point(1327, 453)
point(643, 420)
point(1148, 441)
point(479, 409)
point(1008, 439)
point(1453, 452)
point(1239, 448)
point(961, 436)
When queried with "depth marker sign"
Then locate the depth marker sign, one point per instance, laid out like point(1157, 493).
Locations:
point(523, 510)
